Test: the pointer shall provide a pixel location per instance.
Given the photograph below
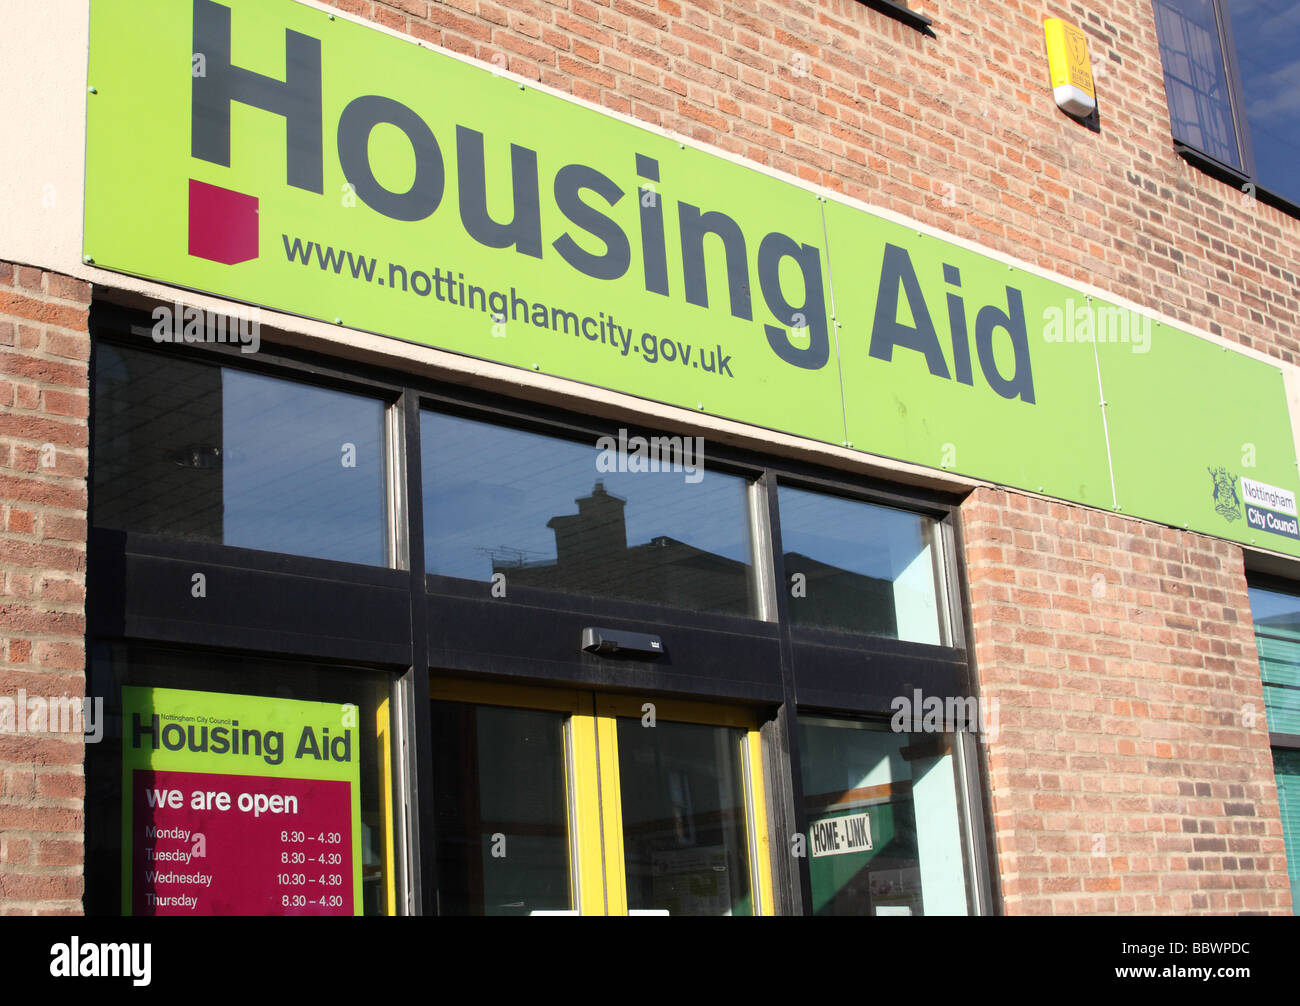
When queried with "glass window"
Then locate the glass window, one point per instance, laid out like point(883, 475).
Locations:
point(863, 568)
point(621, 517)
point(884, 821)
point(1286, 769)
point(1196, 80)
point(232, 786)
point(1217, 98)
point(201, 451)
point(1270, 88)
point(1277, 637)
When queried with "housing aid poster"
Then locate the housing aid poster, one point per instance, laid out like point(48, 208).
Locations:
point(239, 805)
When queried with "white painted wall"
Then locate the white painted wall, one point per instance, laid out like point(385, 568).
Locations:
point(43, 53)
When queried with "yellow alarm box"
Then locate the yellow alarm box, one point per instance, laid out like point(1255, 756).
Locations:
point(1071, 67)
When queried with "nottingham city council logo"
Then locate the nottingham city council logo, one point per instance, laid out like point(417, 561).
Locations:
point(1226, 501)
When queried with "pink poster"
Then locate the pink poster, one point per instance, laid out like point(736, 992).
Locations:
point(208, 844)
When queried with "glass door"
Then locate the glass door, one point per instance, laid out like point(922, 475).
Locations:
point(564, 802)
point(686, 815)
point(515, 801)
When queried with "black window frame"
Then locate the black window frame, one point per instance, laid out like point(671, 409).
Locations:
point(900, 11)
point(399, 619)
point(1244, 178)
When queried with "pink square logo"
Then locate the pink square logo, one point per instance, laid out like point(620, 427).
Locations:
point(223, 224)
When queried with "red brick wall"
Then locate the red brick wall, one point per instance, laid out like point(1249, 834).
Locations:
point(1121, 713)
point(1121, 654)
point(958, 131)
point(44, 381)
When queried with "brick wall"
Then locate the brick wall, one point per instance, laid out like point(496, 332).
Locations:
point(1126, 776)
point(44, 381)
point(958, 131)
point(1121, 711)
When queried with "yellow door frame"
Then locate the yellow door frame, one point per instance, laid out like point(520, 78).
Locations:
point(592, 778)
point(610, 707)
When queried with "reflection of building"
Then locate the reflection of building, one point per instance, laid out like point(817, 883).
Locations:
point(593, 557)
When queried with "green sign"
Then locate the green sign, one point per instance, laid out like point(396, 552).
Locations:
point(271, 153)
point(239, 805)
point(1201, 438)
point(945, 364)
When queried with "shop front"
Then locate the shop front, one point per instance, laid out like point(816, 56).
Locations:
point(493, 501)
point(558, 675)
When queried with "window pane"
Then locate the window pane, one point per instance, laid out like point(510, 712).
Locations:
point(884, 825)
point(240, 786)
point(1268, 56)
point(1195, 78)
point(1275, 613)
point(201, 451)
point(500, 797)
point(1286, 768)
point(549, 513)
point(685, 833)
point(1277, 637)
point(861, 567)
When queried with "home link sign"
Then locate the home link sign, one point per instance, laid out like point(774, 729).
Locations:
point(298, 161)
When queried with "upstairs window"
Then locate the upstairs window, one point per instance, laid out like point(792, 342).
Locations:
point(1232, 80)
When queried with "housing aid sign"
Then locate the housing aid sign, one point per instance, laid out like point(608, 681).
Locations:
point(299, 161)
point(304, 162)
point(239, 805)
